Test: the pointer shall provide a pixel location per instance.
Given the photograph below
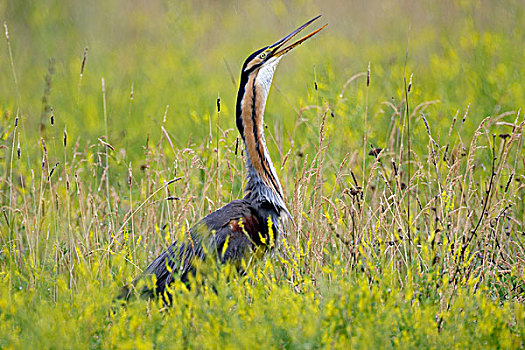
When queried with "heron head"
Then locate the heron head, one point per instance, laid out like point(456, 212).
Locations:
point(262, 63)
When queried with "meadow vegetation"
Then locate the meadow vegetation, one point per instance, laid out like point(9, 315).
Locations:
point(397, 134)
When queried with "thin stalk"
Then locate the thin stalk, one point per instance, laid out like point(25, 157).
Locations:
point(110, 209)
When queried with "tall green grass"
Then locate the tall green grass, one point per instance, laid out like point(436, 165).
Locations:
point(398, 138)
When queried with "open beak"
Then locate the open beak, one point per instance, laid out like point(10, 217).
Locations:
point(279, 47)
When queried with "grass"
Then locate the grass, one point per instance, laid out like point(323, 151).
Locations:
point(407, 198)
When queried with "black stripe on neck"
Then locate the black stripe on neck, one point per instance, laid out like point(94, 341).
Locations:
point(266, 170)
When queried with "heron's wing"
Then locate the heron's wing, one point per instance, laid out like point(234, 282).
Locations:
point(228, 233)
point(232, 231)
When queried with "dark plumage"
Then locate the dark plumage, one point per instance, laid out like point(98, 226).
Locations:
point(238, 224)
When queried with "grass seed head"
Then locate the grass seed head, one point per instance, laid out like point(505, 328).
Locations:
point(83, 65)
point(368, 75)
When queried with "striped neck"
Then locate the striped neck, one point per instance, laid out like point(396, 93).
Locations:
point(262, 182)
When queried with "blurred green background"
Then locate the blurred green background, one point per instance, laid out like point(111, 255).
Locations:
point(179, 53)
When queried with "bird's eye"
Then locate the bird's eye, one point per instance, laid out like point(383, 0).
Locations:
point(262, 55)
